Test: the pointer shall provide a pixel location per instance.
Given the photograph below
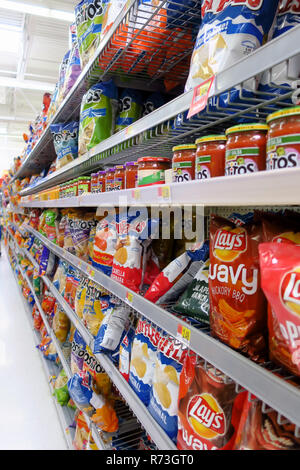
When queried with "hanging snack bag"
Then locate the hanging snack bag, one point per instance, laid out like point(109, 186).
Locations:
point(51, 225)
point(72, 283)
point(105, 244)
point(37, 283)
point(280, 268)
point(80, 390)
point(73, 70)
point(237, 304)
point(62, 227)
point(62, 75)
point(37, 319)
point(112, 329)
point(77, 353)
point(229, 31)
point(96, 306)
point(61, 324)
point(48, 303)
point(130, 108)
point(46, 262)
point(209, 409)
point(89, 18)
point(81, 295)
point(125, 353)
point(48, 349)
point(61, 389)
point(81, 434)
point(105, 417)
point(79, 227)
point(261, 431)
point(165, 388)
point(60, 277)
point(97, 115)
point(143, 359)
point(101, 383)
point(194, 302)
point(134, 234)
point(173, 280)
point(65, 138)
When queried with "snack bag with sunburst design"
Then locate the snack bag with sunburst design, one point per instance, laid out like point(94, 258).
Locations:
point(237, 304)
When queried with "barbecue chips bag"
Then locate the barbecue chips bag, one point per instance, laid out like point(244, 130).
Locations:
point(209, 409)
point(237, 304)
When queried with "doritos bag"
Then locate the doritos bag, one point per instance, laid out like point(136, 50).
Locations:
point(237, 304)
point(208, 409)
point(165, 388)
point(105, 244)
point(280, 268)
point(261, 431)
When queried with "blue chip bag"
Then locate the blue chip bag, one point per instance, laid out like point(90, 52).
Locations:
point(80, 389)
point(152, 102)
point(77, 353)
point(178, 13)
point(112, 330)
point(125, 352)
point(130, 108)
point(165, 388)
point(65, 137)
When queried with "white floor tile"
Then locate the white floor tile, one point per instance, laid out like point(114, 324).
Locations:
point(28, 415)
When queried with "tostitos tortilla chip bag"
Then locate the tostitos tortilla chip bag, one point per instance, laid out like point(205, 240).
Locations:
point(261, 431)
point(209, 409)
point(237, 304)
point(280, 280)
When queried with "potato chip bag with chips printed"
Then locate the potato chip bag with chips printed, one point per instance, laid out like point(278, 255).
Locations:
point(280, 280)
point(165, 388)
point(81, 295)
point(80, 226)
point(97, 305)
point(237, 304)
point(105, 244)
point(125, 352)
point(72, 282)
point(100, 381)
point(143, 359)
point(65, 138)
point(229, 31)
point(112, 329)
point(209, 409)
point(61, 324)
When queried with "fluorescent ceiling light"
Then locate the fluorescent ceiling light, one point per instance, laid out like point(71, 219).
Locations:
point(26, 84)
point(10, 40)
point(15, 119)
point(37, 11)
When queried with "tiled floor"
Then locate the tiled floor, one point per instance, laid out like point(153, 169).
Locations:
point(28, 415)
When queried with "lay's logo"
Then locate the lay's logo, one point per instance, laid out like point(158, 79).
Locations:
point(229, 243)
point(290, 291)
point(216, 6)
point(205, 416)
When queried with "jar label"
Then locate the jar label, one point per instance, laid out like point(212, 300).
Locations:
point(182, 171)
point(119, 184)
point(110, 185)
point(282, 152)
point(149, 177)
point(241, 161)
point(202, 167)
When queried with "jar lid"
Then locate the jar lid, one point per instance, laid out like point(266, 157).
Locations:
point(283, 113)
point(154, 159)
point(184, 147)
point(131, 163)
point(210, 138)
point(119, 167)
point(247, 127)
point(101, 172)
point(110, 170)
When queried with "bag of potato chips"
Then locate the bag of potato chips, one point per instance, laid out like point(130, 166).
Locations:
point(65, 138)
point(61, 389)
point(61, 324)
point(105, 244)
point(96, 306)
point(77, 353)
point(81, 295)
point(112, 329)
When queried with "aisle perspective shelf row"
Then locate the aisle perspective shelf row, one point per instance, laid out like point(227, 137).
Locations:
point(263, 383)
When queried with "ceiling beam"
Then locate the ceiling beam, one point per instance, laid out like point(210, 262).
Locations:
point(26, 84)
point(35, 10)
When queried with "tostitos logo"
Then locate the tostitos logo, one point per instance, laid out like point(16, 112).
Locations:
point(205, 416)
point(229, 243)
point(290, 291)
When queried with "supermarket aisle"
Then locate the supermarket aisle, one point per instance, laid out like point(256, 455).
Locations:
point(28, 414)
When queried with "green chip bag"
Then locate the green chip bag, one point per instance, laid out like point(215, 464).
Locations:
point(97, 115)
point(37, 283)
point(89, 18)
point(61, 389)
point(194, 302)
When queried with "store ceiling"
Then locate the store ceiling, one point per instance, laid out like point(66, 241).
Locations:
point(33, 41)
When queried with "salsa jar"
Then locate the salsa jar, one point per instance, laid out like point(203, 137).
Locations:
point(210, 156)
point(246, 149)
point(183, 163)
point(131, 175)
point(151, 170)
point(94, 182)
point(84, 185)
point(119, 178)
point(101, 181)
point(283, 145)
point(110, 180)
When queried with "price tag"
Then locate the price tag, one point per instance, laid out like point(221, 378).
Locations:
point(136, 194)
point(200, 96)
point(129, 131)
point(164, 192)
point(129, 297)
point(184, 335)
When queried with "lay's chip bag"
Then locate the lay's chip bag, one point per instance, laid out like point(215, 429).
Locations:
point(237, 304)
point(97, 115)
point(165, 388)
point(125, 352)
point(96, 306)
point(229, 31)
point(105, 244)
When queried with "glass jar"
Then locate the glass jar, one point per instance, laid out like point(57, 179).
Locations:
point(131, 174)
point(283, 145)
point(94, 183)
point(84, 185)
point(119, 178)
point(246, 149)
point(183, 163)
point(151, 170)
point(110, 180)
point(101, 181)
point(210, 157)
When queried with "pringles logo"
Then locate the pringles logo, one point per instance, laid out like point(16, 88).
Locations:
point(290, 291)
point(206, 417)
point(229, 243)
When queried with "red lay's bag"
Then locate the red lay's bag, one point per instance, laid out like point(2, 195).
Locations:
point(261, 431)
point(280, 271)
point(208, 408)
point(237, 304)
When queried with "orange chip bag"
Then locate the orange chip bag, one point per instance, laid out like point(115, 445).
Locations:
point(238, 307)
